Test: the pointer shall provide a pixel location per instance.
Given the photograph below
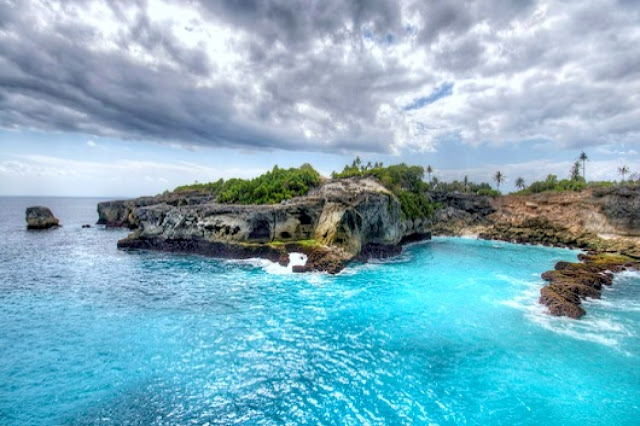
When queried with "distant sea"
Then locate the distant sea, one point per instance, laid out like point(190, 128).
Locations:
point(449, 332)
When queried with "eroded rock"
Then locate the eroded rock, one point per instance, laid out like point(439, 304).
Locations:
point(40, 217)
point(570, 283)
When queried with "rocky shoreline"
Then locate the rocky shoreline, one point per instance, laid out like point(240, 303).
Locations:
point(356, 219)
point(576, 220)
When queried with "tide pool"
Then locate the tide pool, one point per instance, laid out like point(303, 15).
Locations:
point(449, 332)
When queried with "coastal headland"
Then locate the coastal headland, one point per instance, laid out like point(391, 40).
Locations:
point(357, 216)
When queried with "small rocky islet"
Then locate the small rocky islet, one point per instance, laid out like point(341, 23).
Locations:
point(41, 217)
point(357, 218)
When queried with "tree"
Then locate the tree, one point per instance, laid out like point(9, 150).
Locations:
point(429, 171)
point(583, 157)
point(499, 178)
point(520, 183)
point(623, 171)
point(574, 174)
point(466, 182)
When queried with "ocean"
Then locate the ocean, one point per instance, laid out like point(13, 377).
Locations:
point(449, 332)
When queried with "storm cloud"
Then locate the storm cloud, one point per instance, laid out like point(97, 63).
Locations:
point(329, 76)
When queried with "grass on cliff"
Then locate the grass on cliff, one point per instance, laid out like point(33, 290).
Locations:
point(270, 188)
point(406, 182)
point(551, 183)
point(311, 243)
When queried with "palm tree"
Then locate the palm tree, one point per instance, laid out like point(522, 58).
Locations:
point(434, 182)
point(466, 182)
point(429, 171)
point(499, 178)
point(583, 157)
point(623, 171)
point(520, 183)
point(575, 171)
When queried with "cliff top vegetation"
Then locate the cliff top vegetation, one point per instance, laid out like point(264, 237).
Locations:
point(406, 182)
point(270, 188)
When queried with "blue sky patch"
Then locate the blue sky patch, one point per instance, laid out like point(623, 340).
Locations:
point(445, 90)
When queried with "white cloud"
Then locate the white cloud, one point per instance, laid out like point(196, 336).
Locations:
point(326, 77)
point(538, 170)
point(64, 176)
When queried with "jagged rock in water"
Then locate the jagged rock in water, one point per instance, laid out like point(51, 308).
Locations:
point(570, 283)
point(40, 217)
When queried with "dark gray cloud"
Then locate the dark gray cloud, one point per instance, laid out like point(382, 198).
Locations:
point(324, 76)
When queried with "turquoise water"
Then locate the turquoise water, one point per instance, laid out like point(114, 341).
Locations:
point(447, 333)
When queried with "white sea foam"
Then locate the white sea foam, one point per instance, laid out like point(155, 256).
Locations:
point(601, 331)
point(295, 259)
point(270, 267)
point(254, 261)
point(628, 274)
point(619, 305)
point(598, 327)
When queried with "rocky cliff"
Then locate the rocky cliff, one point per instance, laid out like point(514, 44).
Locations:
point(338, 222)
point(119, 213)
point(461, 214)
point(606, 213)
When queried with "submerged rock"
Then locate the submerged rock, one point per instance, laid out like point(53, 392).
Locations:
point(40, 217)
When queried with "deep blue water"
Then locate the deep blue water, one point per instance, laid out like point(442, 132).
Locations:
point(447, 333)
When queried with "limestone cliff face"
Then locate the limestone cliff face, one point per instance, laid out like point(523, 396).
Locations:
point(607, 212)
point(119, 213)
point(621, 209)
point(340, 220)
point(461, 213)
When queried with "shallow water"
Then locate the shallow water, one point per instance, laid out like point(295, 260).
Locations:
point(448, 332)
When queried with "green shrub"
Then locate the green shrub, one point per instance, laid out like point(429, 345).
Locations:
point(270, 188)
point(489, 191)
point(470, 188)
point(551, 183)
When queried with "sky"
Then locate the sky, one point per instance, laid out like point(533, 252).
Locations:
point(109, 98)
